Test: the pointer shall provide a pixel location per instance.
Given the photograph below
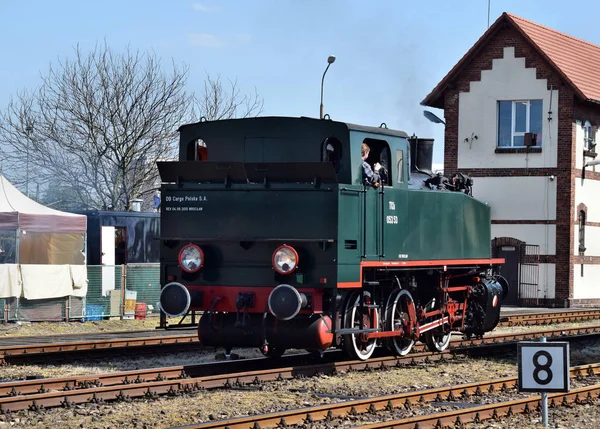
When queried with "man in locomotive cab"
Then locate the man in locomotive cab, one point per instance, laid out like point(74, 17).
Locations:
point(371, 176)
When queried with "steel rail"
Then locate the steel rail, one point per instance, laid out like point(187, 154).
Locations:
point(97, 344)
point(384, 403)
point(137, 376)
point(45, 350)
point(93, 389)
point(120, 344)
point(583, 395)
point(548, 318)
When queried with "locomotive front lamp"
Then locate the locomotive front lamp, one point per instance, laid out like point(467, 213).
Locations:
point(191, 258)
point(330, 61)
point(285, 260)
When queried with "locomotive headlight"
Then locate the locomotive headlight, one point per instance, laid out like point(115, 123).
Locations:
point(285, 260)
point(191, 258)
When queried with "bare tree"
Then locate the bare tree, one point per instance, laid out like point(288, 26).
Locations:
point(216, 103)
point(92, 132)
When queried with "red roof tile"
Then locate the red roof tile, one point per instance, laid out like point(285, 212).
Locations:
point(576, 60)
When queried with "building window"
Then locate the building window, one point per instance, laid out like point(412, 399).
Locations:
point(515, 118)
point(589, 136)
point(400, 161)
point(581, 232)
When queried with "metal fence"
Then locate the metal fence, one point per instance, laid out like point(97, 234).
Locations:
point(529, 284)
point(105, 297)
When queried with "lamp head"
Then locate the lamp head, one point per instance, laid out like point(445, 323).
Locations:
point(432, 117)
point(331, 59)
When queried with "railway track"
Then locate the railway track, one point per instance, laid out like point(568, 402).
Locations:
point(151, 383)
point(584, 395)
point(34, 349)
point(533, 319)
point(406, 400)
point(97, 348)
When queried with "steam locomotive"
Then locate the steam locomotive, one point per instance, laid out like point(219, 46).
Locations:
point(269, 230)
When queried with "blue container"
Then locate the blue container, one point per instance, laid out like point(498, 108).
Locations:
point(93, 312)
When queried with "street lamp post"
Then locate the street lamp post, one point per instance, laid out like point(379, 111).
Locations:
point(330, 61)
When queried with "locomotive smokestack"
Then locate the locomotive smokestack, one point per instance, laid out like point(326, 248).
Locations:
point(421, 155)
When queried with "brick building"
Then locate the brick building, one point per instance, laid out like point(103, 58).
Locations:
point(520, 81)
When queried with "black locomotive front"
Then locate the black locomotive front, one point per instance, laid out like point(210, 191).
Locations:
point(250, 243)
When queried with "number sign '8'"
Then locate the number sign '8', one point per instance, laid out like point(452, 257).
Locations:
point(543, 367)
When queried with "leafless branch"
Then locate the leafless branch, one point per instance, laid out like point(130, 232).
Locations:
point(216, 103)
point(92, 132)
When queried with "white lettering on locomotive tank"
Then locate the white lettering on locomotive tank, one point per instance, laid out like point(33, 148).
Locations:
point(187, 198)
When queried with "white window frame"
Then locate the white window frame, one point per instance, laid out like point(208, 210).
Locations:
point(587, 140)
point(513, 122)
point(400, 165)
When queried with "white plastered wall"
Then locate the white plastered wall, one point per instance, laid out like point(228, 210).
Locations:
point(508, 79)
point(518, 198)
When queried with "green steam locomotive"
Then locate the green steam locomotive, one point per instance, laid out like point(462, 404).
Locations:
point(272, 229)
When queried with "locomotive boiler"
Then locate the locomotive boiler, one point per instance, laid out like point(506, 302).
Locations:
point(269, 230)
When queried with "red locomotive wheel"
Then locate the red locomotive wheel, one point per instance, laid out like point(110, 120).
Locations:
point(356, 345)
point(399, 307)
point(436, 340)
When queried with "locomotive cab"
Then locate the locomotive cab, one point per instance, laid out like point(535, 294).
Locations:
point(269, 231)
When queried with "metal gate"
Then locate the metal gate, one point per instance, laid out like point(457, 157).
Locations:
point(529, 287)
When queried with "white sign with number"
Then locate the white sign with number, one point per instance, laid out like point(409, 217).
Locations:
point(544, 366)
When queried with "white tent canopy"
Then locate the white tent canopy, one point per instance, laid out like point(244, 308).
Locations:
point(46, 257)
point(17, 211)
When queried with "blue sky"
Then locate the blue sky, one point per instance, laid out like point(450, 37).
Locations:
point(390, 53)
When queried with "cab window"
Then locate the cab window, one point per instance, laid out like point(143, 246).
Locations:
point(380, 152)
point(331, 151)
point(197, 150)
